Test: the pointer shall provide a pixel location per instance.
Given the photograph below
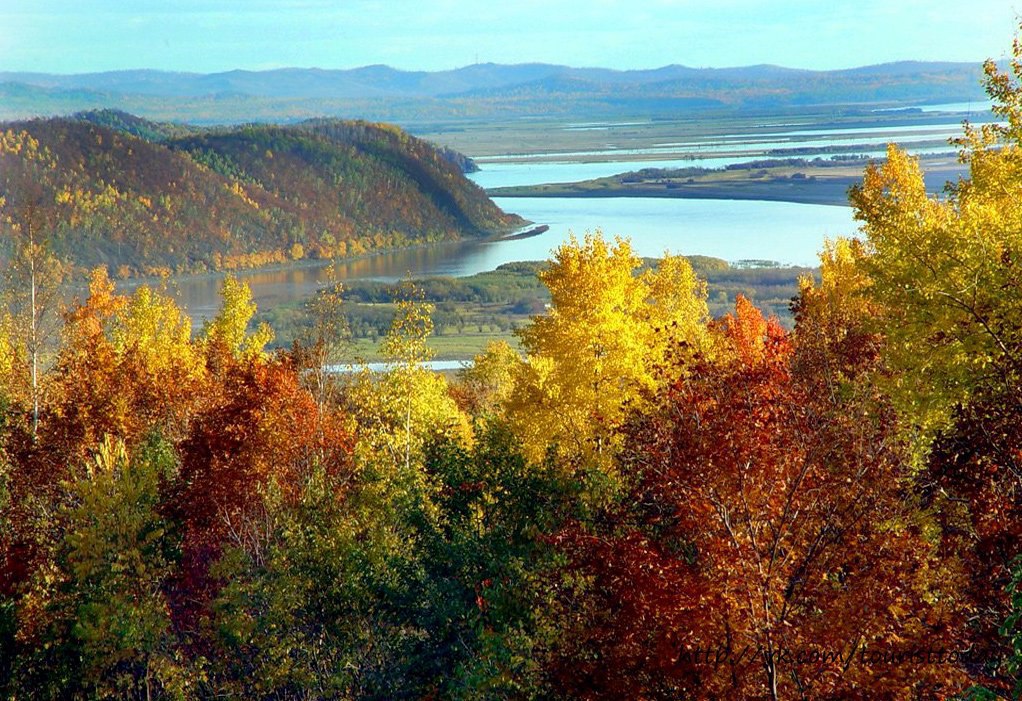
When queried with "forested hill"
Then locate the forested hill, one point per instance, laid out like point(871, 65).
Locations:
point(142, 198)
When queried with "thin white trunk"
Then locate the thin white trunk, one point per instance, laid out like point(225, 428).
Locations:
point(35, 339)
point(408, 435)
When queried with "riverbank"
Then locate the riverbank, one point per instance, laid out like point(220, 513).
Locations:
point(310, 264)
point(799, 181)
point(473, 311)
point(829, 191)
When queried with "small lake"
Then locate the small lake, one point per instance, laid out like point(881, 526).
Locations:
point(786, 232)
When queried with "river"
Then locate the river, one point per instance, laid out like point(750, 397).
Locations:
point(781, 231)
point(733, 230)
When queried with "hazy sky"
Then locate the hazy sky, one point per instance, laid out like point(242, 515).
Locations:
point(76, 36)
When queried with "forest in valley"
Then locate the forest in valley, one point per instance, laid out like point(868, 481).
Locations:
point(651, 502)
point(149, 199)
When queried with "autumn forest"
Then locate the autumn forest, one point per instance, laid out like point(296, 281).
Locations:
point(647, 502)
point(144, 198)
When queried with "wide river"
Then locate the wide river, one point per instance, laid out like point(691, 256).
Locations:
point(733, 230)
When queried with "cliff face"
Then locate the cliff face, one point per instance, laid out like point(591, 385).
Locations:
point(141, 197)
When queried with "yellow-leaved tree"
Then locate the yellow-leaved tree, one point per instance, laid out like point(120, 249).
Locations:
point(608, 330)
point(944, 285)
point(486, 385)
point(399, 409)
point(154, 328)
point(227, 332)
point(944, 272)
point(835, 341)
point(153, 337)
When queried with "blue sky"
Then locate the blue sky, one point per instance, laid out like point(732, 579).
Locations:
point(76, 36)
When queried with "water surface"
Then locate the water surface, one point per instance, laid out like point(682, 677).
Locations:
point(782, 231)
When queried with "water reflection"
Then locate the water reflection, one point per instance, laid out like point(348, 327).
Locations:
point(273, 287)
point(781, 231)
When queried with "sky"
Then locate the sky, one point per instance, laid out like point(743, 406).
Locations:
point(81, 36)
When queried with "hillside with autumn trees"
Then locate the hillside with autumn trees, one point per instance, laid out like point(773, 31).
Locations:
point(647, 503)
point(143, 198)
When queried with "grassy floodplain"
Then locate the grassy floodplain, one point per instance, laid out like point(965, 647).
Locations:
point(815, 181)
point(473, 311)
point(558, 139)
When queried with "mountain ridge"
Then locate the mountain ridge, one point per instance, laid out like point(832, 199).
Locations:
point(485, 91)
point(412, 83)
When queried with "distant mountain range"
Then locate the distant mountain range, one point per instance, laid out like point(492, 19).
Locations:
point(380, 92)
point(146, 198)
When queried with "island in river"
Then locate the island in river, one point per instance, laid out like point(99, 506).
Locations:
point(816, 181)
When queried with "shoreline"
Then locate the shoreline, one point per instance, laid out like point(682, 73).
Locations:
point(802, 183)
point(132, 283)
point(830, 194)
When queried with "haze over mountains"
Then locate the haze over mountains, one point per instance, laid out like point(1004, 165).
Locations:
point(383, 81)
point(481, 90)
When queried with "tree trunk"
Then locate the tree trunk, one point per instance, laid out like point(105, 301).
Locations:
point(35, 334)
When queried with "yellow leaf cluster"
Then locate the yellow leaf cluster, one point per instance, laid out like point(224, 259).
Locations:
point(154, 330)
point(943, 272)
point(228, 329)
point(598, 350)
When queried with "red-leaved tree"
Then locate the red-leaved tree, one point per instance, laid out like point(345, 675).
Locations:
point(766, 548)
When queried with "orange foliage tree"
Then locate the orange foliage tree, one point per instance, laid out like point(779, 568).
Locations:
point(258, 425)
point(765, 549)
